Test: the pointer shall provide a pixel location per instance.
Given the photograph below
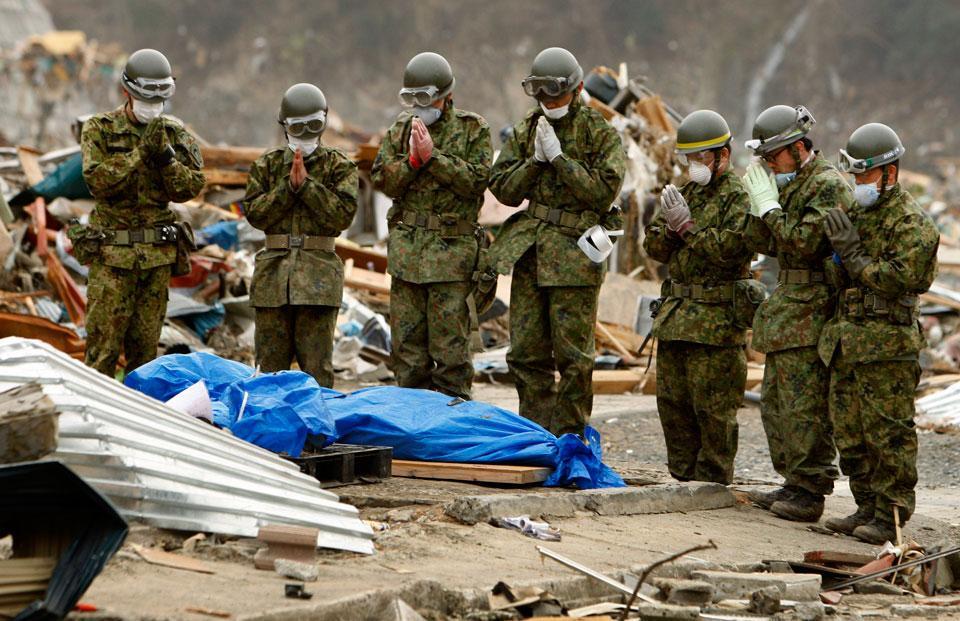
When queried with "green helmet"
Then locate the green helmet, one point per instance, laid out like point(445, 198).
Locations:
point(870, 146)
point(303, 110)
point(427, 78)
point(555, 72)
point(778, 126)
point(702, 130)
point(147, 76)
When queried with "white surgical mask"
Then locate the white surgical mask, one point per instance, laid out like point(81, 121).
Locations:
point(866, 194)
point(428, 114)
point(146, 111)
point(306, 145)
point(700, 173)
point(785, 178)
point(555, 113)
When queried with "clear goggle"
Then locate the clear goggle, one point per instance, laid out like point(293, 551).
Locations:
point(149, 88)
point(546, 86)
point(702, 157)
point(419, 96)
point(850, 164)
point(800, 127)
point(312, 124)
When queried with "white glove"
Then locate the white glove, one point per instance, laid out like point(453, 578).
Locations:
point(762, 189)
point(538, 147)
point(549, 143)
point(675, 209)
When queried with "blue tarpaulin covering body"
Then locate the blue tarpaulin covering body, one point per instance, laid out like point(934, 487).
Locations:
point(284, 409)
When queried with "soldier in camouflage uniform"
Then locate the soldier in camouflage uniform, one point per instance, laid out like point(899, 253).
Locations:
point(135, 161)
point(886, 256)
point(788, 211)
point(706, 304)
point(302, 196)
point(434, 163)
point(569, 162)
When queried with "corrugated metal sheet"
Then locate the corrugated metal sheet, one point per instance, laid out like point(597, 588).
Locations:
point(941, 409)
point(168, 469)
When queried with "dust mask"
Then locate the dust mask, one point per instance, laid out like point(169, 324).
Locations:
point(555, 113)
point(428, 114)
point(146, 111)
point(307, 145)
point(866, 194)
point(700, 173)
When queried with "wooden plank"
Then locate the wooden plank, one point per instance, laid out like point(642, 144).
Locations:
point(754, 377)
point(942, 300)
point(615, 381)
point(363, 257)
point(166, 559)
point(367, 280)
point(221, 176)
point(30, 162)
point(607, 112)
point(230, 157)
point(480, 473)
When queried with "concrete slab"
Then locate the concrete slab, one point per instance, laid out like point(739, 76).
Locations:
point(733, 585)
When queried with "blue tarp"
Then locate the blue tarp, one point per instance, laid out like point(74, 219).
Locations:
point(284, 408)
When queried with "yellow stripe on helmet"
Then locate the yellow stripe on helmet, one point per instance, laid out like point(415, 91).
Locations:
point(704, 144)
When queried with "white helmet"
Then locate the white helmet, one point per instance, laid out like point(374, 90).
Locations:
point(596, 243)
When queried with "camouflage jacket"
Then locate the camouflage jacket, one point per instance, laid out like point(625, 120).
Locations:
point(324, 205)
point(902, 240)
point(794, 314)
point(713, 252)
point(130, 195)
point(450, 185)
point(583, 182)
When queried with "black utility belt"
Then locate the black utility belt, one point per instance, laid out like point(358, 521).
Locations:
point(161, 234)
point(448, 225)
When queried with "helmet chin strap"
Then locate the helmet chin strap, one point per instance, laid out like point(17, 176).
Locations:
point(795, 152)
point(884, 177)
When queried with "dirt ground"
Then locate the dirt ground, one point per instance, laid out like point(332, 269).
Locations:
point(420, 543)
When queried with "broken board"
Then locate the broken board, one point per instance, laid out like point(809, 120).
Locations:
point(477, 473)
point(615, 381)
point(166, 559)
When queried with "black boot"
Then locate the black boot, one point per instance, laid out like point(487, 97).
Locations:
point(803, 506)
point(876, 532)
point(765, 500)
point(846, 525)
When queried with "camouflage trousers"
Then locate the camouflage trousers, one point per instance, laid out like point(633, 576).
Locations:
point(797, 419)
point(552, 329)
point(294, 331)
point(125, 310)
point(699, 388)
point(430, 333)
point(872, 407)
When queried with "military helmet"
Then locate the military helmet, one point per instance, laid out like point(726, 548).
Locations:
point(427, 78)
point(303, 110)
point(147, 76)
point(555, 72)
point(870, 146)
point(778, 126)
point(702, 130)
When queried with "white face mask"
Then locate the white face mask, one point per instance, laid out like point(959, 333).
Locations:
point(555, 113)
point(306, 145)
point(700, 173)
point(428, 114)
point(866, 194)
point(146, 111)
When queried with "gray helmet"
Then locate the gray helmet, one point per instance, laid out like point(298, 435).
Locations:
point(147, 76)
point(870, 146)
point(555, 72)
point(303, 110)
point(778, 126)
point(427, 78)
point(702, 130)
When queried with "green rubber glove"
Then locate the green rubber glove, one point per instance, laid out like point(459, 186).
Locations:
point(762, 189)
point(846, 241)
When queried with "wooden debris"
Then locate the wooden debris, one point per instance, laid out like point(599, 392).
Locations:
point(616, 381)
point(652, 109)
point(208, 612)
point(240, 158)
point(30, 162)
point(294, 543)
point(166, 559)
point(481, 473)
point(366, 258)
point(28, 424)
point(366, 280)
point(221, 176)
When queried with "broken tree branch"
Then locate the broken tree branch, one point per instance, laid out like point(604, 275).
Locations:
point(710, 545)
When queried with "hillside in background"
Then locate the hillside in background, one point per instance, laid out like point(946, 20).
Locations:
point(850, 62)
